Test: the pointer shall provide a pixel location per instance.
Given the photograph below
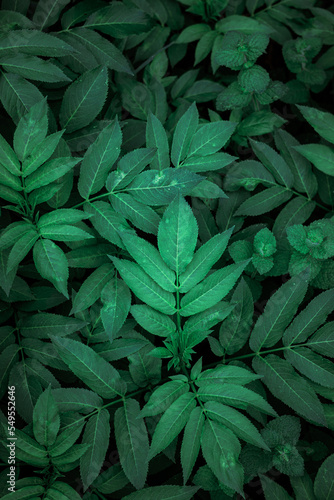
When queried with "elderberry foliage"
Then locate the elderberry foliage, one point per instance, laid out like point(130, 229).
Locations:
point(166, 249)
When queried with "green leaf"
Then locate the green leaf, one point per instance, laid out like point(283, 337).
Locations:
point(141, 216)
point(90, 290)
point(84, 99)
point(76, 399)
point(275, 163)
point(144, 287)
point(17, 94)
point(66, 439)
point(116, 300)
point(312, 365)
point(240, 425)
point(246, 25)
point(286, 385)
point(21, 248)
point(156, 137)
point(208, 163)
point(172, 422)
point(303, 487)
point(103, 50)
point(205, 257)
point(323, 483)
point(211, 290)
point(321, 121)
point(8, 158)
point(59, 489)
point(49, 172)
point(322, 341)
point(235, 395)
point(163, 396)
point(106, 221)
point(304, 179)
point(112, 479)
point(47, 14)
point(9, 179)
point(8, 356)
point(153, 321)
point(91, 368)
point(46, 419)
point(120, 348)
point(99, 159)
point(297, 211)
point(308, 320)
point(128, 167)
point(208, 189)
point(41, 153)
point(278, 313)
point(320, 155)
point(221, 449)
point(51, 263)
point(227, 374)
point(150, 260)
point(64, 232)
point(209, 318)
point(62, 216)
point(234, 330)
point(40, 325)
point(211, 137)
point(192, 33)
point(33, 42)
point(96, 434)
point(118, 20)
point(264, 201)
point(33, 68)
point(160, 188)
point(191, 442)
point(177, 235)
point(272, 490)
point(26, 492)
point(166, 492)
point(132, 442)
point(184, 131)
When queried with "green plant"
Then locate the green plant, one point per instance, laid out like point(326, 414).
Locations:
point(166, 249)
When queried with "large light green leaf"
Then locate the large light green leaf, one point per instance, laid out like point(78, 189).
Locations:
point(84, 99)
point(320, 155)
point(91, 368)
point(148, 257)
point(191, 442)
point(49, 172)
point(183, 133)
point(132, 442)
point(46, 419)
point(163, 396)
point(172, 422)
point(90, 290)
point(106, 221)
point(144, 286)
point(235, 395)
point(324, 483)
point(221, 449)
point(51, 263)
point(308, 320)
point(118, 20)
point(211, 290)
point(240, 425)
point(205, 257)
point(153, 321)
point(289, 387)
point(96, 434)
point(167, 492)
point(160, 188)
point(116, 299)
point(278, 313)
point(273, 162)
point(304, 179)
point(156, 137)
point(141, 216)
point(234, 330)
point(99, 159)
point(17, 94)
point(210, 138)
point(312, 365)
point(177, 235)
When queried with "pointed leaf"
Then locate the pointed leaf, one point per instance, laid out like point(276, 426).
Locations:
point(41, 153)
point(312, 365)
point(210, 138)
point(156, 137)
point(51, 263)
point(273, 162)
point(49, 172)
point(46, 419)
point(8, 158)
point(33, 42)
point(141, 216)
point(264, 201)
point(132, 442)
point(47, 13)
point(184, 131)
point(33, 68)
point(162, 397)
point(90, 290)
point(323, 483)
point(21, 248)
point(272, 490)
point(191, 442)
point(153, 321)
point(76, 399)
point(128, 167)
point(116, 300)
point(91, 368)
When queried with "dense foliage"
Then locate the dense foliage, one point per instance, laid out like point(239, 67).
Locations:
point(166, 249)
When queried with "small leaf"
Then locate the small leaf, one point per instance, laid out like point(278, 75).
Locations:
point(90, 290)
point(210, 138)
point(46, 420)
point(51, 263)
point(156, 137)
